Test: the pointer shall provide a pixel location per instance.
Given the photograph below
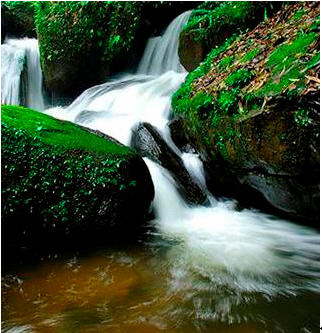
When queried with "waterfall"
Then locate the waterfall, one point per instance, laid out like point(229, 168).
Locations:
point(161, 53)
point(20, 57)
point(246, 250)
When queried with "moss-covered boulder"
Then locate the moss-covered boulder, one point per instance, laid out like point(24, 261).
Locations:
point(214, 21)
point(83, 42)
point(252, 109)
point(17, 19)
point(61, 182)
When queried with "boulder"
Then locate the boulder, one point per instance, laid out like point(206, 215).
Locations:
point(252, 112)
point(149, 143)
point(63, 183)
point(104, 38)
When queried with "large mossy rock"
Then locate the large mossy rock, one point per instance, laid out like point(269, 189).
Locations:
point(214, 21)
point(17, 19)
point(82, 43)
point(252, 110)
point(61, 182)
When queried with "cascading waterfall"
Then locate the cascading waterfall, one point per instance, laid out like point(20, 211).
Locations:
point(17, 56)
point(161, 53)
point(244, 250)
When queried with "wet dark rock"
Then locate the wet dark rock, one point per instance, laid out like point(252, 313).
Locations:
point(149, 143)
point(180, 136)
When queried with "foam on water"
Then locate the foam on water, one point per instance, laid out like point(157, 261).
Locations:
point(245, 250)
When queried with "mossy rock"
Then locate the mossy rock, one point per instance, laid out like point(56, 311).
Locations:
point(82, 43)
point(17, 19)
point(252, 110)
point(60, 182)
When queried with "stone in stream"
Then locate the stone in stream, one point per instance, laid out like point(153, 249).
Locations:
point(62, 182)
point(149, 143)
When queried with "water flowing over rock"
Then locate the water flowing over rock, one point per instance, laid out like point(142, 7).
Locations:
point(240, 252)
point(149, 143)
point(161, 53)
point(21, 76)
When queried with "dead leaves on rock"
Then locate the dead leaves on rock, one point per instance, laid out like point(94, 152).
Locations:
point(266, 37)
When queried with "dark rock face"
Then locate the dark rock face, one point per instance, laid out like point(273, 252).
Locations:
point(270, 160)
point(149, 143)
point(191, 52)
point(55, 192)
point(179, 136)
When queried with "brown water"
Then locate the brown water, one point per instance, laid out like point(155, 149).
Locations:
point(140, 290)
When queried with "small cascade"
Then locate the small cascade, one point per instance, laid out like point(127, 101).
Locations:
point(21, 76)
point(242, 250)
point(161, 53)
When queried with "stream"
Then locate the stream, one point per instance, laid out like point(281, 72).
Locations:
point(199, 269)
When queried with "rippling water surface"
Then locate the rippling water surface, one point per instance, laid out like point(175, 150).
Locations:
point(145, 288)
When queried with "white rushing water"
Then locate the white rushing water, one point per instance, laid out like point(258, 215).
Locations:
point(245, 250)
point(17, 54)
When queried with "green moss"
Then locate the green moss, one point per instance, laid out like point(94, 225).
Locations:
point(301, 117)
point(288, 67)
point(181, 99)
point(103, 28)
point(226, 62)
point(285, 75)
point(278, 85)
point(55, 171)
point(316, 25)
point(215, 19)
point(239, 77)
point(227, 12)
point(286, 54)
point(315, 60)
point(227, 100)
point(250, 55)
point(298, 14)
point(62, 135)
point(202, 104)
point(19, 16)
